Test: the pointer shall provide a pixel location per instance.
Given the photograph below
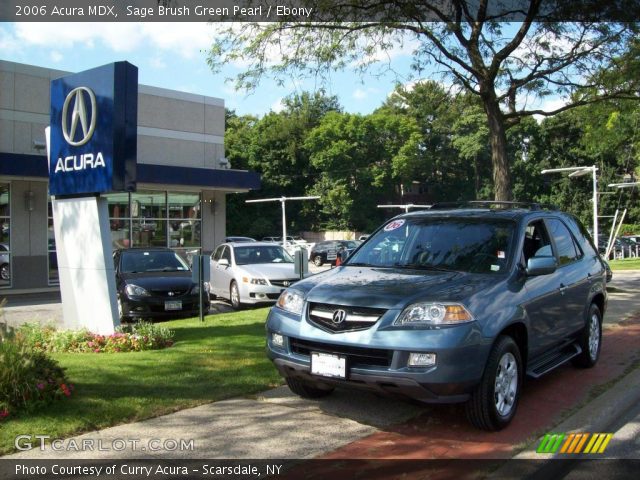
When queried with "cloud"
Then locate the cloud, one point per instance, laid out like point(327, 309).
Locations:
point(184, 39)
point(359, 94)
point(277, 106)
point(157, 62)
point(56, 56)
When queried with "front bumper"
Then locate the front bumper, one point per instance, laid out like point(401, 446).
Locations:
point(461, 354)
point(143, 307)
point(250, 293)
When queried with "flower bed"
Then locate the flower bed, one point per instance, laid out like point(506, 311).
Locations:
point(29, 379)
point(131, 338)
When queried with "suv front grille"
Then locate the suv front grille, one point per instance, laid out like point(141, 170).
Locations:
point(340, 318)
point(356, 356)
point(169, 293)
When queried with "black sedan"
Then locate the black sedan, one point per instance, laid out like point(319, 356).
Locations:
point(156, 283)
point(328, 251)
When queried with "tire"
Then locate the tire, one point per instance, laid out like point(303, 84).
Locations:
point(5, 273)
point(590, 339)
point(305, 390)
point(492, 406)
point(234, 296)
point(317, 261)
point(119, 310)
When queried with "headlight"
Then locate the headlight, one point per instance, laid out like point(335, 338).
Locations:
point(135, 291)
point(254, 281)
point(291, 301)
point(433, 314)
point(196, 288)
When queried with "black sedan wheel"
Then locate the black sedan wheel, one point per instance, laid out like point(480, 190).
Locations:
point(317, 261)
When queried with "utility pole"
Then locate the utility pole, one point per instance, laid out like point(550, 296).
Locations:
point(405, 207)
point(282, 201)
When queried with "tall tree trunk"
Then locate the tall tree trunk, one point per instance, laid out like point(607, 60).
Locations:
point(499, 160)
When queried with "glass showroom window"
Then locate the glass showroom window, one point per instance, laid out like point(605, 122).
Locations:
point(149, 219)
point(184, 223)
point(119, 219)
point(5, 235)
point(52, 256)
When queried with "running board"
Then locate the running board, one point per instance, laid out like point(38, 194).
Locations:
point(553, 360)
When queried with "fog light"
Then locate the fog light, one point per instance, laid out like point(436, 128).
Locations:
point(422, 359)
point(277, 340)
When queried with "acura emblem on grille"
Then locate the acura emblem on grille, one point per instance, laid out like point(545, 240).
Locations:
point(339, 316)
point(171, 294)
point(285, 283)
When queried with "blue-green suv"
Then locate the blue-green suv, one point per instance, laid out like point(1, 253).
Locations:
point(452, 304)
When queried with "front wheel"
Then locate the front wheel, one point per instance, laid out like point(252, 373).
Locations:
point(4, 272)
point(590, 339)
point(317, 261)
point(234, 296)
point(494, 402)
point(305, 390)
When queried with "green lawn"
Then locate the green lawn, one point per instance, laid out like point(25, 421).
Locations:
point(626, 264)
point(220, 358)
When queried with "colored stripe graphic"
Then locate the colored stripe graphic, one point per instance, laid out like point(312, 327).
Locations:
point(573, 443)
point(550, 443)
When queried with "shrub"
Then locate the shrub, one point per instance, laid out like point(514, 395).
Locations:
point(129, 338)
point(29, 379)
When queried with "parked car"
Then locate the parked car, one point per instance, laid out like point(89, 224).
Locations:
point(239, 239)
point(156, 283)
point(447, 305)
point(328, 251)
point(271, 239)
point(249, 273)
point(5, 270)
point(362, 238)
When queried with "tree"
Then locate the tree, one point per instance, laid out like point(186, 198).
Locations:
point(505, 65)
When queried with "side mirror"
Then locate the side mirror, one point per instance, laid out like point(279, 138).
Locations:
point(541, 266)
point(223, 262)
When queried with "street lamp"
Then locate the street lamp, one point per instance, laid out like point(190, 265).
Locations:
point(282, 201)
point(406, 207)
point(578, 172)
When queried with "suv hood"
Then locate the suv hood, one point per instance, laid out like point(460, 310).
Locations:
point(391, 288)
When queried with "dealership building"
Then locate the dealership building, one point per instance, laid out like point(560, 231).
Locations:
point(182, 177)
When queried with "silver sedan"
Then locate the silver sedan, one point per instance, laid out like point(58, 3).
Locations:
point(250, 273)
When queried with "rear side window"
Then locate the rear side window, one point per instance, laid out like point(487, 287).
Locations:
point(567, 250)
point(218, 253)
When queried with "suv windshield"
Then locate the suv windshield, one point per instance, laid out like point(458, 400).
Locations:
point(139, 261)
point(461, 244)
point(262, 254)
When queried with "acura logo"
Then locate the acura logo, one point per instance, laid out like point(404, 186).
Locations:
point(171, 294)
point(79, 96)
point(339, 316)
point(286, 283)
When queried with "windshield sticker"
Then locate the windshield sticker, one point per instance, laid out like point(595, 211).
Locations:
point(501, 254)
point(394, 225)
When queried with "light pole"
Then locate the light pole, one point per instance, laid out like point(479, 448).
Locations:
point(282, 201)
point(405, 207)
point(578, 172)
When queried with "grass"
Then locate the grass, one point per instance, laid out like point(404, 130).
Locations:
point(626, 264)
point(221, 358)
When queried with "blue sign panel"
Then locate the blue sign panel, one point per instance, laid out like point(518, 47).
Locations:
point(94, 117)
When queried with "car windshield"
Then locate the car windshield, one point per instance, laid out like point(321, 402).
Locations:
point(139, 261)
point(436, 243)
point(261, 254)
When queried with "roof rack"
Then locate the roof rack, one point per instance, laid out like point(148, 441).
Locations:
point(493, 203)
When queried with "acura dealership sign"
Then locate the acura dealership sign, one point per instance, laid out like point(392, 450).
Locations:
point(93, 131)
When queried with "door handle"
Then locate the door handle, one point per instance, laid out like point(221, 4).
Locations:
point(562, 288)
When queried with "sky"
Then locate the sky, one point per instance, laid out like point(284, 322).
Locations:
point(173, 55)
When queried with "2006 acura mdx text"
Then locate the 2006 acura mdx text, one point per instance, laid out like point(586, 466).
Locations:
point(453, 304)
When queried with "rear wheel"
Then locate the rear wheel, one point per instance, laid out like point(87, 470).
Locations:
point(494, 402)
point(305, 390)
point(234, 296)
point(590, 339)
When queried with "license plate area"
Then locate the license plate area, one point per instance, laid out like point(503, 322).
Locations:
point(328, 365)
point(173, 305)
